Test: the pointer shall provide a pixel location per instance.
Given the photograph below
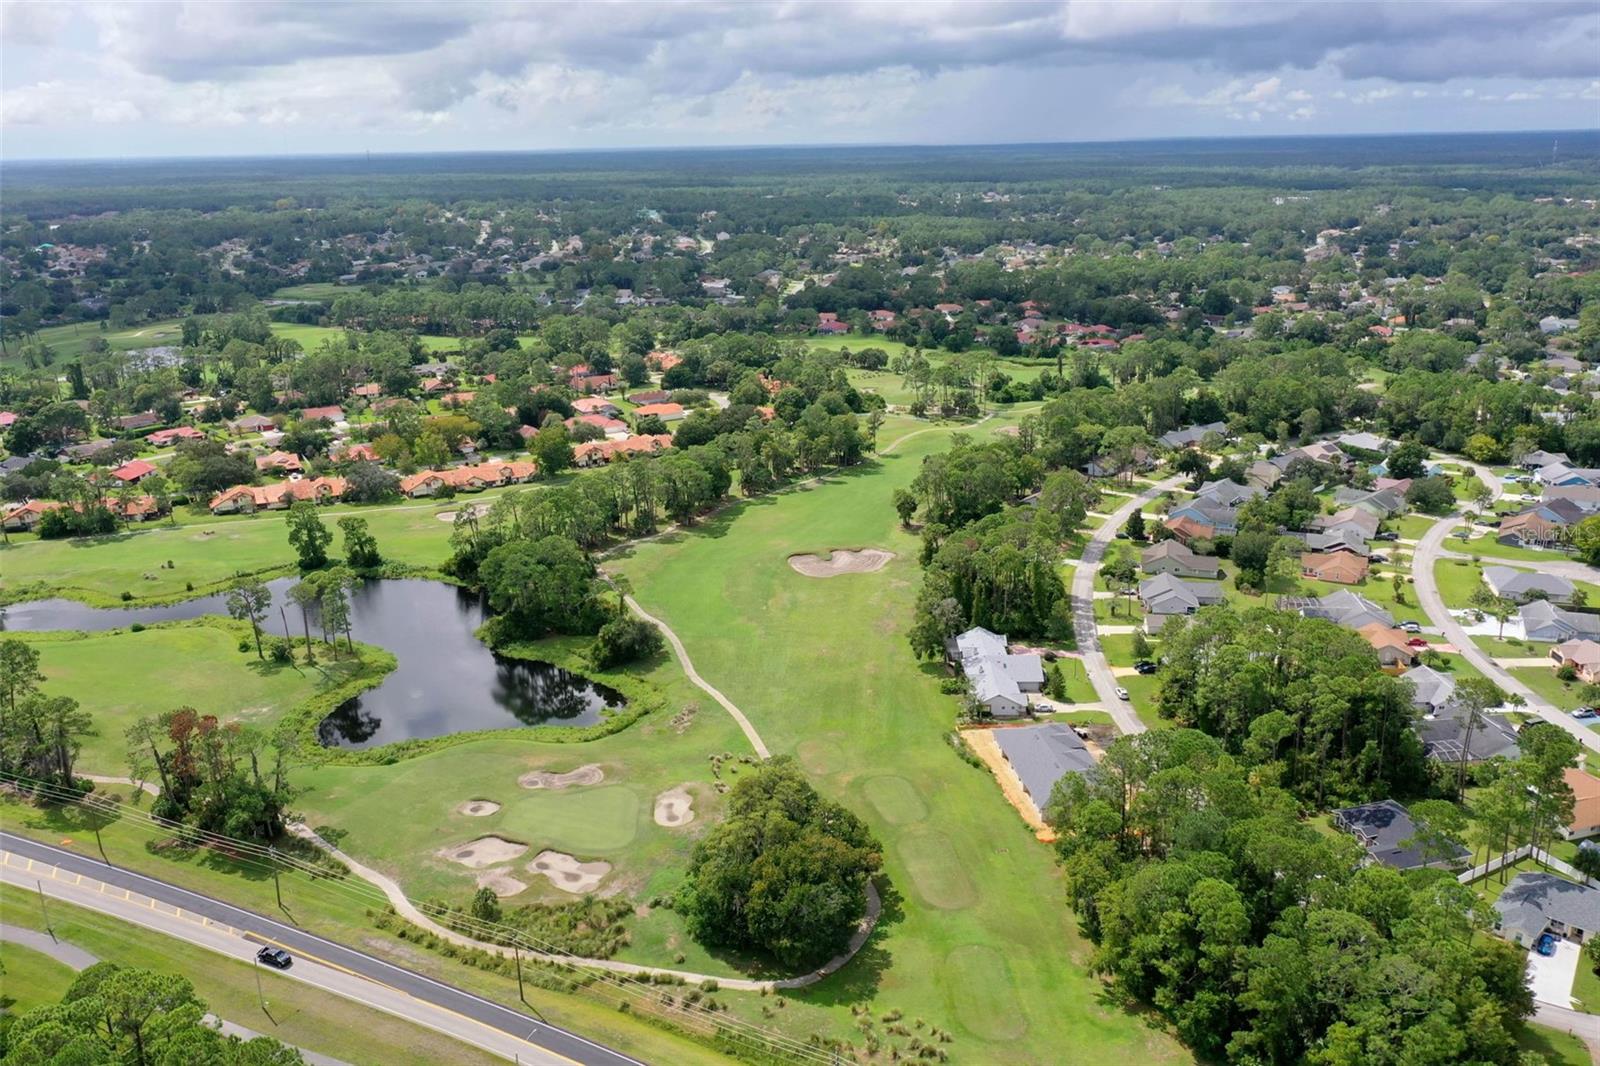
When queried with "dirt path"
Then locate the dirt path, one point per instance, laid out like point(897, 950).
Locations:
point(985, 747)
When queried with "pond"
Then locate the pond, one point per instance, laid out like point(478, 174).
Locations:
point(447, 680)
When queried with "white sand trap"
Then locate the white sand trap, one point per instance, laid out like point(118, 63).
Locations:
point(485, 851)
point(477, 509)
point(583, 775)
point(674, 807)
point(841, 561)
point(567, 873)
point(478, 808)
point(500, 883)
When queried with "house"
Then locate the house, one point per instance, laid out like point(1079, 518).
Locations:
point(330, 413)
point(611, 427)
point(1431, 689)
point(1317, 452)
point(999, 679)
point(1582, 655)
point(281, 462)
point(370, 391)
point(25, 517)
point(1341, 568)
point(600, 452)
point(591, 383)
point(252, 424)
point(354, 453)
point(1537, 903)
point(1561, 473)
point(1543, 620)
point(1228, 493)
point(1386, 830)
point(1190, 436)
point(245, 499)
point(667, 412)
point(1537, 460)
point(1584, 497)
point(1345, 608)
point(163, 437)
point(596, 405)
point(1381, 502)
point(1389, 644)
point(474, 478)
point(1042, 755)
point(1222, 518)
point(1165, 596)
point(1365, 442)
point(134, 471)
point(1534, 527)
point(1186, 530)
point(1263, 474)
point(1397, 485)
point(142, 420)
point(1345, 540)
point(137, 509)
point(1106, 466)
point(1351, 518)
point(1175, 558)
point(828, 322)
point(649, 396)
point(1520, 586)
point(1585, 821)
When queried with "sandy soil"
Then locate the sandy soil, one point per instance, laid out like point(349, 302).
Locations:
point(983, 745)
point(485, 851)
point(841, 561)
point(674, 807)
point(480, 509)
point(478, 808)
point(500, 883)
point(567, 873)
point(583, 775)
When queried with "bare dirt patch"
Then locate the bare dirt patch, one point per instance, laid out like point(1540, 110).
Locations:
point(841, 561)
point(567, 873)
point(674, 807)
point(983, 745)
point(583, 775)
point(477, 510)
point(478, 808)
point(500, 883)
point(485, 851)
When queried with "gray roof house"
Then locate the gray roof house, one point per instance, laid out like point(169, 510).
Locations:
point(1382, 502)
point(1356, 519)
point(1366, 442)
point(1534, 903)
point(999, 679)
point(1176, 558)
point(1536, 459)
point(1343, 540)
point(1386, 830)
point(1432, 688)
point(1164, 596)
point(1263, 474)
point(1042, 755)
point(1189, 436)
point(1229, 493)
point(1346, 608)
point(1543, 620)
point(1525, 585)
point(1444, 736)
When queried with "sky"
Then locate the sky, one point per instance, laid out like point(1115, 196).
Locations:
point(121, 79)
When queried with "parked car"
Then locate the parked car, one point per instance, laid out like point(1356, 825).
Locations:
point(1411, 627)
point(277, 958)
point(1417, 642)
point(1586, 714)
point(1122, 693)
point(1378, 557)
point(1386, 535)
point(1546, 944)
point(1145, 666)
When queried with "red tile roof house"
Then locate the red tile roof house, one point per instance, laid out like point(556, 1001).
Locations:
point(467, 478)
point(134, 471)
point(138, 421)
point(355, 453)
point(434, 385)
point(828, 322)
point(138, 509)
point(369, 391)
point(595, 405)
point(595, 383)
point(600, 452)
point(163, 437)
point(667, 412)
point(287, 462)
point(7, 419)
point(26, 516)
point(332, 413)
point(881, 319)
point(457, 399)
point(244, 499)
point(649, 396)
point(252, 424)
point(611, 427)
point(662, 361)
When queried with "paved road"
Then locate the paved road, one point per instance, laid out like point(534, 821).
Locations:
point(1422, 564)
point(1083, 623)
point(234, 931)
point(1585, 1027)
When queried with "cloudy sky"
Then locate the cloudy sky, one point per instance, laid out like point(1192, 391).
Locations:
point(221, 78)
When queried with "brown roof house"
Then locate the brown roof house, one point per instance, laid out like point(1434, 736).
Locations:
point(1341, 568)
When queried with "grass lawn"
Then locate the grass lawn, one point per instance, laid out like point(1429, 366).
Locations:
point(1458, 579)
point(32, 978)
point(1513, 649)
point(70, 342)
point(311, 337)
point(823, 670)
point(194, 664)
point(1118, 610)
point(315, 290)
point(1558, 1048)
point(1487, 546)
point(1118, 648)
point(300, 1015)
point(1079, 688)
point(1567, 695)
point(1378, 589)
point(1412, 526)
point(1142, 690)
point(1586, 987)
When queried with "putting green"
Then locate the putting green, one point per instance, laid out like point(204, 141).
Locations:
point(592, 820)
point(985, 1005)
point(895, 799)
point(935, 873)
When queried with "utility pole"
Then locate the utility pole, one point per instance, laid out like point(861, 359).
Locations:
point(45, 910)
point(255, 968)
point(277, 890)
point(516, 954)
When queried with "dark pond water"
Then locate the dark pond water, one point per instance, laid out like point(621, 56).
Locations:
point(447, 681)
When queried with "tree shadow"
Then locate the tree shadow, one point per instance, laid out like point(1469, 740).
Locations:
point(858, 980)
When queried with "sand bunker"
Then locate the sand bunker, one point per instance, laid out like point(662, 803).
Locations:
point(500, 883)
point(485, 851)
point(477, 510)
point(841, 561)
point(478, 808)
point(674, 807)
point(583, 775)
point(567, 873)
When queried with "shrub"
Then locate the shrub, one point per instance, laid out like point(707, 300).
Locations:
point(624, 639)
point(137, 627)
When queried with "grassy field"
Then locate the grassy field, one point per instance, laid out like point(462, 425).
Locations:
point(1567, 695)
point(71, 342)
point(189, 664)
point(311, 337)
point(32, 978)
point(977, 938)
point(315, 290)
point(299, 1014)
point(1487, 546)
point(891, 386)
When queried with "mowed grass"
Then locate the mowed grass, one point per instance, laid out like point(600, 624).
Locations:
point(206, 551)
point(1566, 695)
point(296, 1013)
point(310, 338)
point(71, 342)
point(31, 978)
point(824, 671)
point(399, 817)
point(119, 676)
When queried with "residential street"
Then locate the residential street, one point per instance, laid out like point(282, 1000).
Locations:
point(341, 971)
point(1083, 624)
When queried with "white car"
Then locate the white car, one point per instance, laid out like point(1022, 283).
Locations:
point(1122, 693)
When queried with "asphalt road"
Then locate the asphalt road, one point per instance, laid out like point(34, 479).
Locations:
point(1083, 623)
point(220, 926)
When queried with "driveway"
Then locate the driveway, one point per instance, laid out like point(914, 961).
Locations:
point(1551, 977)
